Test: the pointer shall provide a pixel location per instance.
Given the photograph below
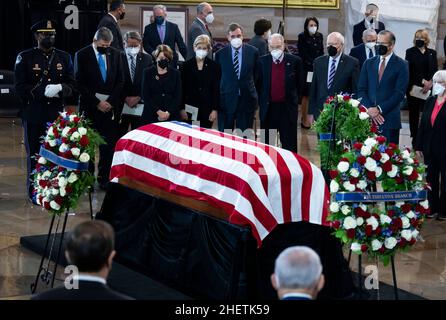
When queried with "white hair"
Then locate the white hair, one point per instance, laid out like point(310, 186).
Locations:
point(338, 36)
point(439, 76)
point(160, 6)
point(276, 35)
point(369, 32)
point(298, 267)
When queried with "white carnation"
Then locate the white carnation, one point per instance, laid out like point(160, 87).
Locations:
point(385, 219)
point(392, 173)
point(84, 157)
point(359, 221)
point(378, 171)
point(82, 131)
point(64, 147)
point(405, 154)
point(72, 178)
point(410, 161)
point(355, 103)
point(50, 132)
point(345, 210)
point(340, 98)
point(343, 166)
point(355, 247)
point(408, 170)
point(406, 222)
point(415, 234)
point(354, 173)
point(76, 152)
point(55, 192)
point(410, 214)
point(363, 207)
point(65, 131)
point(63, 114)
point(63, 192)
point(384, 158)
point(424, 204)
point(62, 182)
point(373, 222)
point(72, 117)
point(349, 186)
point(52, 143)
point(370, 164)
point(361, 184)
point(370, 142)
point(349, 223)
point(334, 207)
point(363, 115)
point(366, 151)
point(75, 136)
point(42, 160)
point(399, 204)
point(376, 245)
point(390, 243)
point(54, 205)
point(406, 234)
point(334, 186)
point(46, 174)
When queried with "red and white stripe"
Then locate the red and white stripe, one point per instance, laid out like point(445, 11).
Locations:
point(253, 183)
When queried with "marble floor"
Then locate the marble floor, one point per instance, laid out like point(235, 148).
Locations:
point(421, 271)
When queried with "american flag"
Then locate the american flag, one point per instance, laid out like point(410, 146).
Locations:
point(254, 183)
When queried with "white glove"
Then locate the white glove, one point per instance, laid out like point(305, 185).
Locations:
point(52, 90)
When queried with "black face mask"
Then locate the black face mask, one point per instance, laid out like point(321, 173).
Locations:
point(159, 20)
point(102, 50)
point(121, 16)
point(48, 42)
point(381, 49)
point(163, 63)
point(419, 43)
point(332, 51)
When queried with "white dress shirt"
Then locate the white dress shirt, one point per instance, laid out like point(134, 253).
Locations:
point(84, 277)
point(297, 295)
point(116, 20)
point(386, 60)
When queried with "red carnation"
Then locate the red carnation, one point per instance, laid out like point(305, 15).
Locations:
point(374, 128)
point(59, 200)
point(412, 241)
point(413, 176)
point(371, 175)
point(333, 173)
point(359, 212)
point(362, 109)
point(56, 132)
point(406, 207)
point(364, 248)
point(38, 166)
point(378, 231)
point(336, 224)
point(354, 180)
point(64, 140)
point(361, 160)
point(414, 222)
point(76, 119)
point(402, 242)
point(382, 250)
point(390, 152)
point(357, 146)
point(47, 146)
point(72, 130)
point(391, 213)
point(399, 179)
point(392, 145)
point(68, 189)
point(387, 166)
point(84, 141)
point(346, 98)
point(47, 206)
point(368, 230)
point(381, 139)
point(63, 123)
point(376, 155)
point(351, 233)
point(42, 183)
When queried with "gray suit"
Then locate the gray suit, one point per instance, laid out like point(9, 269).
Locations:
point(196, 28)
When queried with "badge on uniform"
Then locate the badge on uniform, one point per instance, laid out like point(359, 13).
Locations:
point(59, 66)
point(36, 67)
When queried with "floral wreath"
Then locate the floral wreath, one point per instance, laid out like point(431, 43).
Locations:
point(61, 175)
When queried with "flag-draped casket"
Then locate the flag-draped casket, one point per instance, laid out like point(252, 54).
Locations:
point(252, 183)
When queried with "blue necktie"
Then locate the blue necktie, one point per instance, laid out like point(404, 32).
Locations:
point(332, 73)
point(102, 67)
point(370, 53)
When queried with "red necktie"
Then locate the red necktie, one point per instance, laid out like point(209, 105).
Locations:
point(381, 69)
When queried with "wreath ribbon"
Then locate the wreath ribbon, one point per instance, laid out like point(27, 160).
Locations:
point(66, 163)
point(381, 196)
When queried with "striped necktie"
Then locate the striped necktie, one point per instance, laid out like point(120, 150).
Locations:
point(132, 67)
point(236, 63)
point(331, 74)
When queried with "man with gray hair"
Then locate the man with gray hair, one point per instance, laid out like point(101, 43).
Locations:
point(165, 32)
point(99, 74)
point(365, 50)
point(298, 274)
point(199, 26)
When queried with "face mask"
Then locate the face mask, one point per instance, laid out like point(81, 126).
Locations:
point(419, 43)
point(132, 50)
point(102, 50)
point(370, 45)
point(276, 53)
point(437, 89)
point(381, 49)
point(312, 30)
point(332, 51)
point(121, 16)
point(48, 42)
point(163, 63)
point(201, 54)
point(210, 18)
point(236, 42)
point(159, 20)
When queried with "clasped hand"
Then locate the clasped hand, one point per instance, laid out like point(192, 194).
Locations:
point(376, 116)
point(52, 90)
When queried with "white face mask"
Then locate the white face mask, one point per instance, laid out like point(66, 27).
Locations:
point(276, 53)
point(437, 89)
point(210, 18)
point(312, 30)
point(370, 45)
point(236, 43)
point(132, 50)
point(201, 54)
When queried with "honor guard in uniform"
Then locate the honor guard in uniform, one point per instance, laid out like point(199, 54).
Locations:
point(44, 79)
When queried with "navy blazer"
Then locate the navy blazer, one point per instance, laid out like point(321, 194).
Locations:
point(359, 53)
point(389, 93)
point(230, 86)
point(359, 28)
point(293, 84)
point(345, 81)
point(172, 37)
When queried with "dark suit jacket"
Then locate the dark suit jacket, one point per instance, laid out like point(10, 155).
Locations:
point(134, 88)
point(260, 43)
point(294, 79)
point(417, 69)
point(90, 82)
point(230, 86)
point(431, 138)
point(172, 37)
point(388, 93)
point(345, 81)
point(109, 22)
point(359, 28)
point(196, 28)
point(359, 53)
point(161, 95)
point(206, 95)
point(309, 48)
point(88, 290)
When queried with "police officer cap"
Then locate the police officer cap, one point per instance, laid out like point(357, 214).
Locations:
point(44, 26)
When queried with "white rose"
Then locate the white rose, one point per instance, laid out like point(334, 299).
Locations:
point(406, 234)
point(82, 131)
point(361, 184)
point(64, 147)
point(52, 143)
point(343, 166)
point(65, 131)
point(76, 152)
point(392, 173)
point(75, 136)
point(355, 103)
point(348, 186)
point(354, 173)
point(385, 219)
point(46, 174)
point(408, 170)
point(349, 223)
point(384, 158)
point(345, 210)
point(334, 186)
point(424, 204)
point(359, 221)
point(415, 234)
point(63, 192)
point(42, 160)
point(370, 164)
point(378, 171)
point(405, 154)
point(334, 207)
point(54, 205)
point(373, 222)
point(340, 98)
point(376, 245)
point(410, 214)
point(390, 243)
point(370, 142)
point(62, 182)
point(84, 157)
point(55, 192)
point(355, 247)
point(363, 116)
point(72, 178)
point(406, 222)
point(366, 151)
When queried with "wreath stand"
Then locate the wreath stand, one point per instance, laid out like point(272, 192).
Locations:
point(44, 273)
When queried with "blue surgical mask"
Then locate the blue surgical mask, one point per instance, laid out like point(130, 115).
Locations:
point(437, 89)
